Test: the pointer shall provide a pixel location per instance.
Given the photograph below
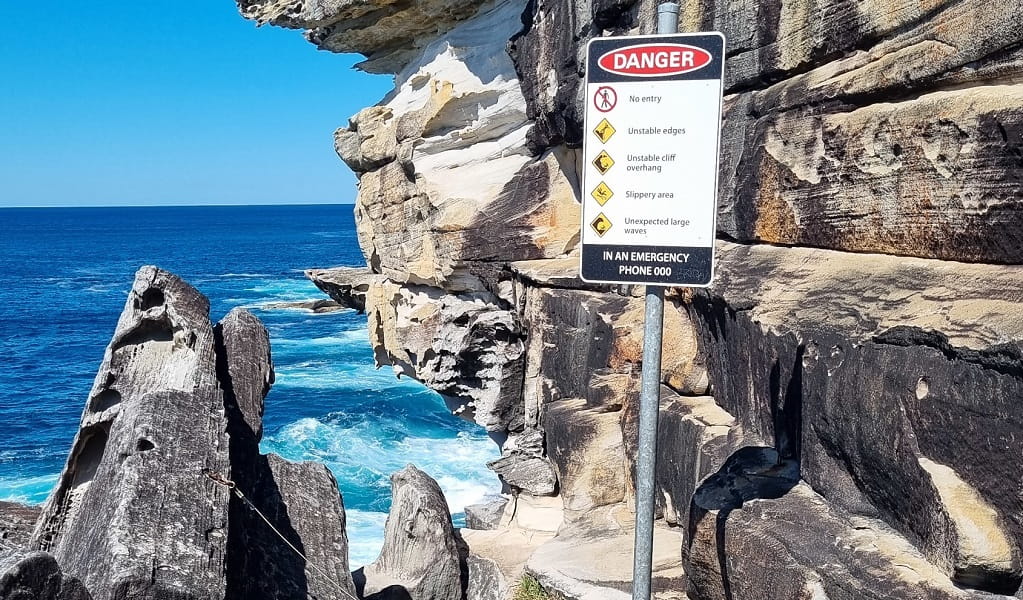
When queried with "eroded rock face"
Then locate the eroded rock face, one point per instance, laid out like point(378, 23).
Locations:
point(144, 507)
point(464, 346)
point(153, 427)
point(420, 558)
point(941, 407)
point(446, 183)
point(859, 407)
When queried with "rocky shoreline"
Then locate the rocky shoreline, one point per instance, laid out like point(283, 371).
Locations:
point(841, 412)
point(166, 495)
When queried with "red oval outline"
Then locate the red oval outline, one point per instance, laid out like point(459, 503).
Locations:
point(708, 59)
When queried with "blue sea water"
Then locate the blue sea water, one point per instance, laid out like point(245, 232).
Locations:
point(64, 273)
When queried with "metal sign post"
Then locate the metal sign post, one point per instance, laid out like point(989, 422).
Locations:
point(653, 129)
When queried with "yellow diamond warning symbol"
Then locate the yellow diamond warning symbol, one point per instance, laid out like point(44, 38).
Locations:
point(602, 193)
point(604, 131)
point(603, 162)
point(601, 224)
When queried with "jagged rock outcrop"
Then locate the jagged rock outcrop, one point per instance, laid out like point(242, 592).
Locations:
point(828, 396)
point(154, 425)
point(387, 33)
point(144, 507)
point(421, 557)
point(348, 286)
point(300, 500)
point(464, 346)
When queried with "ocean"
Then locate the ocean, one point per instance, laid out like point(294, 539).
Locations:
point(66, 271)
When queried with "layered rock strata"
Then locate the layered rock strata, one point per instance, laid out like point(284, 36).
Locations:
point(841, 412)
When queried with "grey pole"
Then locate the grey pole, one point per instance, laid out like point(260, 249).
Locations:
point(649, 402)
point(667, 17)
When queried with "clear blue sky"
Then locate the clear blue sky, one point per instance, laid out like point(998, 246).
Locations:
point(152, 103)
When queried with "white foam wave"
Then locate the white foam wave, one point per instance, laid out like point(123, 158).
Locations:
point(339, 339)
point(325, 377)
point(27, 490)
point(365, 536)
point(364, 451)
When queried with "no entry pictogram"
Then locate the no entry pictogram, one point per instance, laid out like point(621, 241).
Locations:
point(605, 98)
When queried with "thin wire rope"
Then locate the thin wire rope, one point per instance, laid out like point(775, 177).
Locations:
point(237, 492)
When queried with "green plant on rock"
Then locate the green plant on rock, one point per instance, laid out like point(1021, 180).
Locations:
point(530, 589)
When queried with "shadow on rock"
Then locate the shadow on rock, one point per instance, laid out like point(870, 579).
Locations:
point(750, 473)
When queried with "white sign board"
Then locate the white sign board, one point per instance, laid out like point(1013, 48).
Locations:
point(652, 133)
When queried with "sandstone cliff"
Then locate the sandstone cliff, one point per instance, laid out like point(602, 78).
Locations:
point(842, 412)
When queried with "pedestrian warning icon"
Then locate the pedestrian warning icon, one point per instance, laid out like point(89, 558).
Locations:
point(603, 162)
point(605, 98)
point(602, 193)
point(604, 131)
point(601, 224)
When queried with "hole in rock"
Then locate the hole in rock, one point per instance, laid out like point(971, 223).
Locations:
point(897, 150)
point(148, 331)
point(923, 388)
point(144, 445)
point(87, 461)
point(152, 298)
point(106, 399)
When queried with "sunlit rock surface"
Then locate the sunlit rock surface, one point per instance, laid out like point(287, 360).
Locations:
point(159, 496)
point(841, 411)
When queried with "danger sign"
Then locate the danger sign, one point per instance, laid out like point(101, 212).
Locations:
point(654, 60)
point(650, 207)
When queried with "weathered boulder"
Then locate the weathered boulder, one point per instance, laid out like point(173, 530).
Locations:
point(36, 576)
point(739, 552)
point(300, 500)
point(421, 558)
point(486, 581)
point(134, 511)
point(523, 464)
point(348, 286)
point(487, 514)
